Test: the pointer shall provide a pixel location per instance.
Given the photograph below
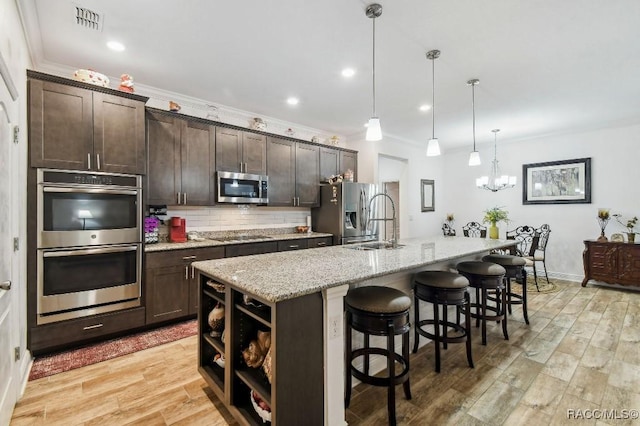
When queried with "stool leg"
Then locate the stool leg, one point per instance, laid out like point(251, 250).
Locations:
point(478, 301)
point(524, 296)
point(504, 315)
point(436, 333)
point(416, 315)
point(508, 289)
point(483, 315)
point(391, 388)
point(366, 356)
point(467, 326)
point(405, 354)
point(445, 311)
point(347, 361)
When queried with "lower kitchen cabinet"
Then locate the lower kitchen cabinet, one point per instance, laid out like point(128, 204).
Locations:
point(290, 380)
point(319, 242)
point(171, 290)
point(246, 249)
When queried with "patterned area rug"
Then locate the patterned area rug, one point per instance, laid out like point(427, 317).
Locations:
point(48, 365)
point(545, 287)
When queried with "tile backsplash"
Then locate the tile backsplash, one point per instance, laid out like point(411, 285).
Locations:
point(230, 218)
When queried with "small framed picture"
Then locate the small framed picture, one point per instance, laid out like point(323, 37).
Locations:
point(427, 195)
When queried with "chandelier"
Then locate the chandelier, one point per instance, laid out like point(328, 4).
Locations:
point(495, 181)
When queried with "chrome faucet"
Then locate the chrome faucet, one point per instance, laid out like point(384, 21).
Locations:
point(394, 240)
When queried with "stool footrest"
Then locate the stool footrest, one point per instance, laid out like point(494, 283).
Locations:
point(374, 380)
point(449, 339)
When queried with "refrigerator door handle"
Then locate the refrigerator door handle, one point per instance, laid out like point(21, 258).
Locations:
point(363, 211)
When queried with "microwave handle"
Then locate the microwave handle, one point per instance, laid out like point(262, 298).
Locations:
point(67, 253)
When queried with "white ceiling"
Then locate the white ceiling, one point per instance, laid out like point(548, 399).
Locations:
point(545, 66)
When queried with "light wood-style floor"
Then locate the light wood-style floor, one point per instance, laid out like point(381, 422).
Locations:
point(581, 352)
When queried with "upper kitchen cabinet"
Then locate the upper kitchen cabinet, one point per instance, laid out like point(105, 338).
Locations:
point(294, 173)
point(349, 161)
point(181, 160)
point(336, 161)
point(78, 126)
point(240, 151)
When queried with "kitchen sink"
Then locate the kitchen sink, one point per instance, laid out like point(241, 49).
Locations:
point(377, 245)
point(242, 238)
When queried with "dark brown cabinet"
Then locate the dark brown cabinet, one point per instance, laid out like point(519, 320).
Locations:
point(240, 151)
point(75, 127)
point(349, 161)
point(171, 290)
point(181, 160)
point(329, 163)
point(247, 249)
point(320, 242)
point(294, 173)
point(612, 262)
point(297, 244)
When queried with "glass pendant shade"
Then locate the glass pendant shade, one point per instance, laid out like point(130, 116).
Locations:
point(433, 148)
point(374, 131)
point(474, 158)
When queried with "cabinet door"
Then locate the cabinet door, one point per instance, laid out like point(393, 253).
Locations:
point(197, 159)
point(167, 292)
point(320, 242)
point(118, 134)
point(60, 126)
point(247, 249)
point(349, 161)
point(297, 244)
point(163, 171)
point(307, 175)
point(629, 264)
point(254, 153)
point(281, 167)
point(604, 261)
point(228, 150)
point(329, 163)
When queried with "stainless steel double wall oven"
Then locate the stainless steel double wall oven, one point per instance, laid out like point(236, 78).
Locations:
point(89, 241)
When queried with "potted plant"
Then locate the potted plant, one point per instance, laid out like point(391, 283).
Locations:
point(493, 216)
point(630, 225)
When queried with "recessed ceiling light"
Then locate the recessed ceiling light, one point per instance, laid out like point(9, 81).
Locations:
point(293, 101)
point(348, 72)
point(115, 45)
point(424, 108)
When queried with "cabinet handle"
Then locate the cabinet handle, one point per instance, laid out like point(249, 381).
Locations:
point(189, 257)
point(186, 272)
point(185, 198)
point(321, 244)
point(98, 161)
point(88, 160)
point(178, 198)
point(91, 327)
point(294, 246)
point(193, 272)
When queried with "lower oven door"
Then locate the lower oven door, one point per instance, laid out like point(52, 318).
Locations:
point(88, 280)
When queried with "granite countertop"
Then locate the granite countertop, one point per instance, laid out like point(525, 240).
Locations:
point(212, 242)
point(285, 275)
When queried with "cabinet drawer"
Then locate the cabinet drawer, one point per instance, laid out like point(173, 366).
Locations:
point(320, 242)
point(251, 248)
point(287, 245)
point(181, 257)
point(56, 335)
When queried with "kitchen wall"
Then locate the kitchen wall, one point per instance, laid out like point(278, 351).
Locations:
point(615, 178)
point(228, 218)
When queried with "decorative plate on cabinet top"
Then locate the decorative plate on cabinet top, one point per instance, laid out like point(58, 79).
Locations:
point(91, 77)
point(617, 238)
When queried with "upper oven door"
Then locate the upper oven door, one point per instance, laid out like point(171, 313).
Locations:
point(242, 188)
point(85, 216)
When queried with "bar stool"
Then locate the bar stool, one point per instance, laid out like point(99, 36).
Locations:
point(378, 311)
point(514, 266)
point(484, 276)
point(442, 288)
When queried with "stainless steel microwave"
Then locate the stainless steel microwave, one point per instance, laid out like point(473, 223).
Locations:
point(242, 188)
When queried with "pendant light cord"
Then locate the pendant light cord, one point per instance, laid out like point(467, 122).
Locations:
point(473, 109)
point(374, 67)
point(433, 98)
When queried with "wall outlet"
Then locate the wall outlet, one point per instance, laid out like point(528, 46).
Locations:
point(335, 327)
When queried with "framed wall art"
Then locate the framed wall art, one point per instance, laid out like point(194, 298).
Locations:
point(557, 182)
point(427, 195)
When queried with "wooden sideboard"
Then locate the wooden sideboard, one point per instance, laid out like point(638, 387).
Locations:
point(611, 262)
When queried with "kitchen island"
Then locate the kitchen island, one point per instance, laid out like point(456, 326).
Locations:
point(303, 295)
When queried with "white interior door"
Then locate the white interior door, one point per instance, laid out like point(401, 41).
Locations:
point(8, 322)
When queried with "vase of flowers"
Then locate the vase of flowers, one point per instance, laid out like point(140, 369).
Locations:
point(603, 219)
point(493, 216)
point(630, 225)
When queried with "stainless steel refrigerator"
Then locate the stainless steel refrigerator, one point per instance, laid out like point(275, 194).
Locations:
point(344, 210)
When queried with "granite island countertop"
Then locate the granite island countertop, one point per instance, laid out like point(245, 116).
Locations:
point(212, 242)
point(286, 275)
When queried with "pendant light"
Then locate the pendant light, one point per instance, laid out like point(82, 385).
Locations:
point(474, 157)
point(374, 131)
point(495, 181)
point(433, 147)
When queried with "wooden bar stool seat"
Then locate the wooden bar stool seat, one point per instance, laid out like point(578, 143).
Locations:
point(378, 311)
point(514, 267)
point(444, 289)
point(485, 277)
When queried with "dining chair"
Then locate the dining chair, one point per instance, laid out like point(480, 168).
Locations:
point(540, 254)
point(448, 231)
point(528, 240)
point(475, 230)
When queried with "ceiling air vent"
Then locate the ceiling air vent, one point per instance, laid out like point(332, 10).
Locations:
point(87, 18)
